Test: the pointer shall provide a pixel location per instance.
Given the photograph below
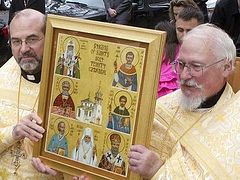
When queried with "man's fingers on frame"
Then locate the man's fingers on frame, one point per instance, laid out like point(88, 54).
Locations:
point(38, 165)
point(133, 162)
point(84, 177)
point(41, 167)
point(134, 155)
point(31, 118)
point(134, 168)
point(36, 118)
point(34, 127)
point(31, 133)
point(51, 171)
point(138, 148)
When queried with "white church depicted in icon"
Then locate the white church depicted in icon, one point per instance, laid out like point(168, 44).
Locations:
point(90, 111)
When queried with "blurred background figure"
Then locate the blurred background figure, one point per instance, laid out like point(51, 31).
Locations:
point(5, 50)
point(118, 11)
point(188, 19)
point(202, 4)
point(178, 5)
point(18, 5)
point(168, 78)
point(226, 15)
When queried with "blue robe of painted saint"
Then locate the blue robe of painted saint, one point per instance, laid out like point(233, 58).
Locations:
point(126, 78)
point(120, 120)
point(58, 142)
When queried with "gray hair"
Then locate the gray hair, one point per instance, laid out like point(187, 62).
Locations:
point(221, 45)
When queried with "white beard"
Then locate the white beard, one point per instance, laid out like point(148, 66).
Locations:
point(190, 103)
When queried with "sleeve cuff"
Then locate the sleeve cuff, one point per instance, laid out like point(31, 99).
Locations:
point(7, 136)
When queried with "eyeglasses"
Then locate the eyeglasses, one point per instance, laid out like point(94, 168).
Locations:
point(30, 41)
point(195, 69)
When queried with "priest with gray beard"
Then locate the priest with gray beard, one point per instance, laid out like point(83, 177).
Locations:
point(196, 128)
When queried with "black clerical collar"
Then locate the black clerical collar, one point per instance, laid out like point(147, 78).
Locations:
point(35, 78)
point(211, 101)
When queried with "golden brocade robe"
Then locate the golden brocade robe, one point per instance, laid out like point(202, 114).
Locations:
point(9, 87)
point(204, 144)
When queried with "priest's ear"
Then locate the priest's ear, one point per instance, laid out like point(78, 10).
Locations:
point(227, 68)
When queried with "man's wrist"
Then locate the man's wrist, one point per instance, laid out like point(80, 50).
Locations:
point(156, 169)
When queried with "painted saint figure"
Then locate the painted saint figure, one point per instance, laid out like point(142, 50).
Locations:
point(58, 143)
point(120, 117)
point(63, 104)
point(85, 150)
point(112, 160)
point(126, 76)
point(68, 63)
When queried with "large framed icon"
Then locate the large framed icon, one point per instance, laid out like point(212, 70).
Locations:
point(97, 95)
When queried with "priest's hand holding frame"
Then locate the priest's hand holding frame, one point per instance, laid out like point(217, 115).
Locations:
point(28, 127)
point(144, 161)
point(45, 169)
point(42, 168)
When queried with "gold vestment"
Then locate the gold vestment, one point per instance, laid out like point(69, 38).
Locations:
point(202, 144)
point(10, 74)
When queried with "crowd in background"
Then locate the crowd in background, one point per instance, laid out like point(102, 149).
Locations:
point(226, 15)
point(187, 38)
